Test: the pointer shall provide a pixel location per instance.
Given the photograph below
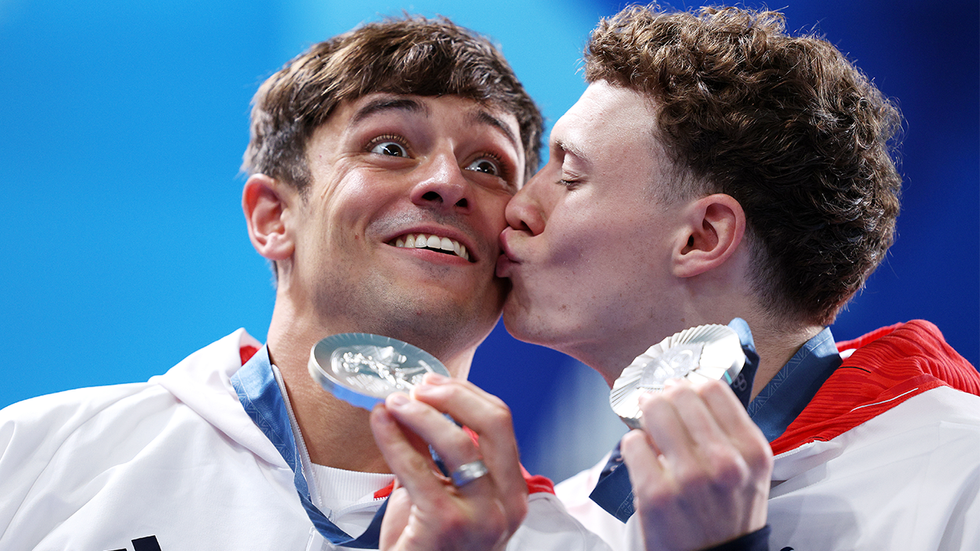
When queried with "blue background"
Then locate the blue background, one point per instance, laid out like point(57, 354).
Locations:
point(122, 126)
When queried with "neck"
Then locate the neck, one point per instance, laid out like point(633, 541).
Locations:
point(774, 343)
point(714, 297)
point(336, 433)
point(611, 361)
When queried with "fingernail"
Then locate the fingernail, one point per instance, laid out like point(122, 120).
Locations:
point(436, 379)
point(396, 399)
point(381, 415)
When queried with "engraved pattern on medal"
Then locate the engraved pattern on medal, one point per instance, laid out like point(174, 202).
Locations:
point(377, 369)
point(699, 353)
point(675, 363)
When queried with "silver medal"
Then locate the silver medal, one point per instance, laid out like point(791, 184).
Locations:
point(362, 369)
point(700, 353)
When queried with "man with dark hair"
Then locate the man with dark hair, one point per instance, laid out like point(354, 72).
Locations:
point(720, 171)
point(379, 166)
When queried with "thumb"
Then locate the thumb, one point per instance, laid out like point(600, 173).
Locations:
point(396, 517)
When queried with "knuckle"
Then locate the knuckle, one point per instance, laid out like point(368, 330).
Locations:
point(482, 529)
point(692, 479)
point(630, 441)
point(497, 401)
point(760, 459)
point(757, 451)
point(713, 387)
point(678, 391)
point(458, 439)
point(495, 522)
point(632, 447)
point(454, 523)
point(727, 467)
point(518, 512)
point(654, 496)
point(500, 415)
point(655, 402)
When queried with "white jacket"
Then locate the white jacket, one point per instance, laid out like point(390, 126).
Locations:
point(176, 464)
point(905, 480)
point(885, 457)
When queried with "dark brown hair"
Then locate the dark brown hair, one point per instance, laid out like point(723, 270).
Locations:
point(786, 125)
point(411, 55)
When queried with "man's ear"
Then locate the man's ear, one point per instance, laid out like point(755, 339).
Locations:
point(714, 228)
point(265, 202)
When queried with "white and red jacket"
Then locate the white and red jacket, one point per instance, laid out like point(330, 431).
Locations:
point(886, 455)
point(176, 464)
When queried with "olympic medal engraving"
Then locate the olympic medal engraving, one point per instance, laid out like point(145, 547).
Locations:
point(700, 353)
point(362, 369)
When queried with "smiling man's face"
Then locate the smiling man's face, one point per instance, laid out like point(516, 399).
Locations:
point(398, 232)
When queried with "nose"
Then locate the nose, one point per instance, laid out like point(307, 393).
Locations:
point(525, 211)
point(443, 186)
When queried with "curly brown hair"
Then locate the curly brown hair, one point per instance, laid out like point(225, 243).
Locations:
point(410, 55)
point(786, 125)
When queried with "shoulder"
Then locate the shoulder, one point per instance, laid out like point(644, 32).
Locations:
point(55, 416)
point(58, 415)
point(53, 444)
point(905, 478)
point(881, 371)
point(90, 453)
point(73, 424)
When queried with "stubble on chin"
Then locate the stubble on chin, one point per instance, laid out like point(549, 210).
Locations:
point(444, 328)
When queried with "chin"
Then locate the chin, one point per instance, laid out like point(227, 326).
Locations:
point(441, 329)
point(524, 327)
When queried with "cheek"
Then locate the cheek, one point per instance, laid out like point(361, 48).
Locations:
point(591, 255)
point(494, 206)
point(571, 237)
point(357, 200)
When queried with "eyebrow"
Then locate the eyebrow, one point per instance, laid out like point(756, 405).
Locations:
point(571, 149)
point(483, 117)
point(387, 104)
point(413, 106)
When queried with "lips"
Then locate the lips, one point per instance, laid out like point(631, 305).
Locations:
point(432, 242)
point(506, 259)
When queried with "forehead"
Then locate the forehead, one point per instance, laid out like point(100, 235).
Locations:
point(456, 109)
point(610, 109)
point(611, 131)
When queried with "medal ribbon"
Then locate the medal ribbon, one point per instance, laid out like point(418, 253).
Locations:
point(613, 492)
point(260, 396)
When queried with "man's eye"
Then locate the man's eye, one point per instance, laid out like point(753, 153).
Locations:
point(390, 148)
point(486, 166)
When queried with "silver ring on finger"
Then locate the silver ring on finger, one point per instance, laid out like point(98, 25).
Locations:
point(468, 472)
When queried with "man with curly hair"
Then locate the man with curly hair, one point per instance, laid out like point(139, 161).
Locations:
point(718, 170)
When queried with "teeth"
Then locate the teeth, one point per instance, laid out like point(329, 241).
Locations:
point(423, 241)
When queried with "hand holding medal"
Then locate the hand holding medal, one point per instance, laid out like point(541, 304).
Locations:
point(699, 467)
point(483, 500)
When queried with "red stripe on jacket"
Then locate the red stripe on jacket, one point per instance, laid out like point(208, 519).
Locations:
point(888, 366)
